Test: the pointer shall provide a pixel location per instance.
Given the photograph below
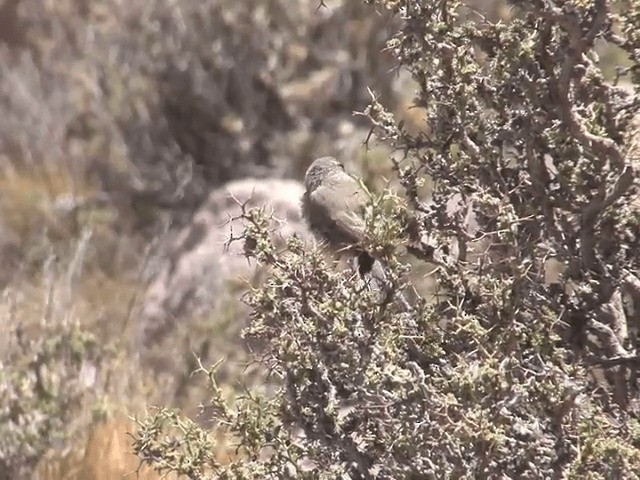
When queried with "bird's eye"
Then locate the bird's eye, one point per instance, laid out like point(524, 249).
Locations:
point(341, 166)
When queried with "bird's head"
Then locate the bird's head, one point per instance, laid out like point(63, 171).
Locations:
point(319, 170)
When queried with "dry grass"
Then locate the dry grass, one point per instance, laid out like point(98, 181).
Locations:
point(106, 455)
point(34, 199)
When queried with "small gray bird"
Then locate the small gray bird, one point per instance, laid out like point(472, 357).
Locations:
point(333, 205)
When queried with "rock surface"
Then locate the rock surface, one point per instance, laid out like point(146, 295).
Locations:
point(198, 263)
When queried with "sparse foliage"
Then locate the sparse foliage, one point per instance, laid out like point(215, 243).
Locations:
point(44, 381)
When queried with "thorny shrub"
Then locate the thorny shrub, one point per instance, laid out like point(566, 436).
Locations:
point(506, 372)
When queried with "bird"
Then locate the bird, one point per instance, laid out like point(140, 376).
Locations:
point(333, 204)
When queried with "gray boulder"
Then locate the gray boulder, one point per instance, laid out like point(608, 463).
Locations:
point(198, 264)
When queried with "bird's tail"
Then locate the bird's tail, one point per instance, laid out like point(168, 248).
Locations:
point(373, 272)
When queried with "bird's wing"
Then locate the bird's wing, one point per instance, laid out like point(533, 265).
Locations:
point(344, 207)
